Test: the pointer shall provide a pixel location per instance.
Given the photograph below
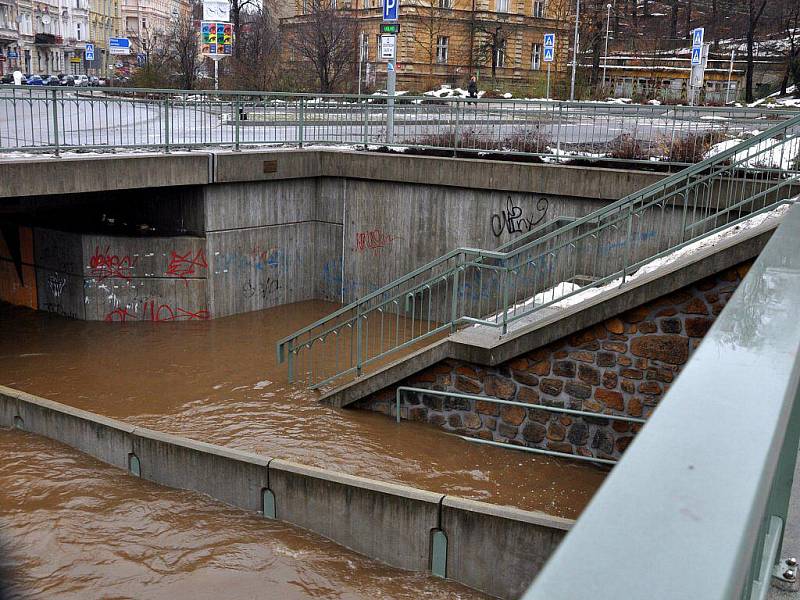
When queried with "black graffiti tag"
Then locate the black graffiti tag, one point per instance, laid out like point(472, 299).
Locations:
point(513, 221)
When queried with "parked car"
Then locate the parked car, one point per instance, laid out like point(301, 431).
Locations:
point(94, 81)
point(81, 81)
point(34, 80)
point(7, 78)
point(51, 80)
point(68, 80)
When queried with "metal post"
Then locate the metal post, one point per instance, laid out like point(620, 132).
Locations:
point(391, 80)
point(454, 299)
point(300, 132)
point(166, 124)
point(605, 56)
point(216, 74)
point(548, 81)
point(236, 115)
point(360, 58)
point(575, 49)
point(359, 361)
point(730, 72)
point(55, 120)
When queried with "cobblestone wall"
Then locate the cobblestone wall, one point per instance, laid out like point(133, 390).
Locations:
point(622, 366)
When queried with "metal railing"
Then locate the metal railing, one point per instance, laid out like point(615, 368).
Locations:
point(526, 405)
point(498, 288)
point(45, 119)
point(697, 506)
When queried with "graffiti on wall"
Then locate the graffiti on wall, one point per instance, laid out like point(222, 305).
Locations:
point(153, 310)
point(513, 219)
point(105, 265)
point(266, 289)
point(373, 240)
point(186, 264)
point(258, 258)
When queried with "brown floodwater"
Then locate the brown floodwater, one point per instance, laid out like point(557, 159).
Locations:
point(218, 381)
point(73, 527)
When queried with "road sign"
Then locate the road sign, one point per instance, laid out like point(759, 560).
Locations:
point(549, 41)
point(390, 28)
point(216, 39)
point(119, 45)
point(141, 59)
point(548, 54)
point(390, 8)
point(75, 60)
point(697, 55)
point(89, 54)
point(12, 54)
point(388, 46)
point(697, 37)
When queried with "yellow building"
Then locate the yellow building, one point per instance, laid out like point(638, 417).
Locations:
point(445, 41)
point(105, 21)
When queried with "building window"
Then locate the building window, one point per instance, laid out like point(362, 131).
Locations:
point(78, 32)
point(502, 5)
point(536, 57)
point(378, 47)
point(500, 54)
point(538, 8)
point(333, 3)
point(144, 23)
point(442, 43)
point(445, 3)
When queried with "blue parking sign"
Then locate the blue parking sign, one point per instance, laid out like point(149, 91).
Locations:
point(696, 55)
point(549, 41)
point(548, 54)
point(390, 9)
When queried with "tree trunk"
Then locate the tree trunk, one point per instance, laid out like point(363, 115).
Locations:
point(689, 18)
point(673, 23)
point(749, 73)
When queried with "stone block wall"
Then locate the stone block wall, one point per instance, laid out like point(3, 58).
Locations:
point(622, 366)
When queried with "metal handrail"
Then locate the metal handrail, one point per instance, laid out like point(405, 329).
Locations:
point(712, 503)
point(701, 200)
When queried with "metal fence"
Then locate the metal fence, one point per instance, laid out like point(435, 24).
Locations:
point(503, 288)
point(48, 119)
point(697, 506)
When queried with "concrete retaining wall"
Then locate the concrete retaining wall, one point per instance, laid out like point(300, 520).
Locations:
point(389, 522)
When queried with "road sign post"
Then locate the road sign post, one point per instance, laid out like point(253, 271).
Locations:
point(389, 53)
point(549, 53)
point(696, 72)
point(216, 42)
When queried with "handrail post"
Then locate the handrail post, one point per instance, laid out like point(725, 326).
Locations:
point(454, 299)
point(301, 123)
point(504, 277)
point(366, 122)
point(457, 130)
point(628, 243)
point(166, 123)
point(290, 359)
point(55, 121)
point(359, 361)
point(236, 116)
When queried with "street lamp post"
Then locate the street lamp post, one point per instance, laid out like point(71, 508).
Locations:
point(605, 56)
point(575, 50)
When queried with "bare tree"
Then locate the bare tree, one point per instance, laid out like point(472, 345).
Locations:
point(792, 39)
point(185, 52)
point(431, 24)
point(755, 8)
point(326, 38)
point(258, 62)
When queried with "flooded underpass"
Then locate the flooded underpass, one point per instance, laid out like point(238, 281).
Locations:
point(217, 381)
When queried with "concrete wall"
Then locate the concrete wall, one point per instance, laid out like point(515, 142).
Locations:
point(389, 522)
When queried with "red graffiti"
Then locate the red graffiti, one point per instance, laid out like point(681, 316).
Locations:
point(181, 265)
point(373, 240)
point(105, 265)
point(159, 313)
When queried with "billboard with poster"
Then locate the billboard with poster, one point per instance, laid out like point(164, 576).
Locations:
point(216, 39)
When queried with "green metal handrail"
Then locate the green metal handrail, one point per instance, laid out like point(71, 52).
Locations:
point(697, 506)
point(682, 208)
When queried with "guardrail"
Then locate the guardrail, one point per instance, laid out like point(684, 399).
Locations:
point(497, 288)
point(46, 119)
point(697, 506)
point(525, 405)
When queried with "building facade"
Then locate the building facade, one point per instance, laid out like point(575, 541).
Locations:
point(105, 22)
point(146, 21)
point(447, 41)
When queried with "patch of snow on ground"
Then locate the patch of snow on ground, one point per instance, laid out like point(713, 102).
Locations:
point(775, 154)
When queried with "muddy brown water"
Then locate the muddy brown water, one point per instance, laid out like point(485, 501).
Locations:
point(72, 527)
point(218, 381)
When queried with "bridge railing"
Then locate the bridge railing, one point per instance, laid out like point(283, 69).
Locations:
point(55, 119)
point(497, 288)
point(697, 506)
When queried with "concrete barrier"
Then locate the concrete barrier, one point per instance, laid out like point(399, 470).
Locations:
point(491, 548)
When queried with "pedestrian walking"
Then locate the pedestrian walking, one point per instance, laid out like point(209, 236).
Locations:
point(472, 88)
